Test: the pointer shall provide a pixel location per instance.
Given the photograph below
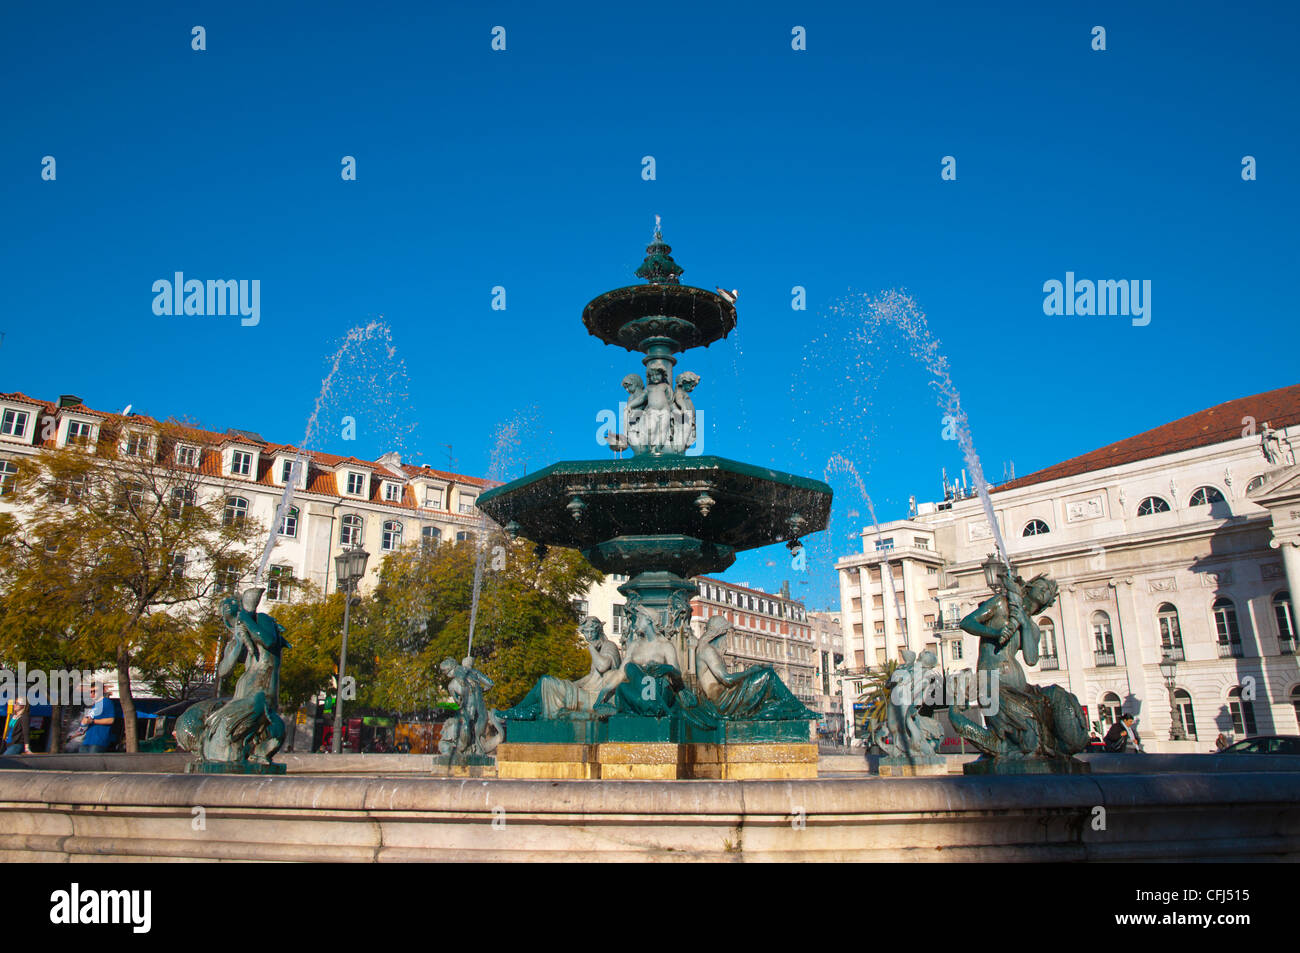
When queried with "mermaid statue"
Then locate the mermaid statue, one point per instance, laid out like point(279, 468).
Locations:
point(1028, 723)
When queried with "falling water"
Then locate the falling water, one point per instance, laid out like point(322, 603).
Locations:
point(505, 441)
point(841, 464)
point(383, 380)
point(900, 310)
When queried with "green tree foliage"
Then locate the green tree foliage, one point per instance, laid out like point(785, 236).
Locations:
point(314, 631)
point(525, 626)
point(112, 556)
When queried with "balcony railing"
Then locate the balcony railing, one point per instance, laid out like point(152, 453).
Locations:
point(1175, 652)
point(1229, 650)
point(1101, 659)
point(1048, 663)
point(1286, 646)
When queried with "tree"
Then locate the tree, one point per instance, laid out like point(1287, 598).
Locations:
point(126, 550)
point(876, 695)
point(525, 626)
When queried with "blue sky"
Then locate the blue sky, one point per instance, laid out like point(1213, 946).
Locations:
point(774, 168)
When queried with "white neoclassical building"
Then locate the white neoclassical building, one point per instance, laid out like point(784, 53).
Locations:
point(1180, 543)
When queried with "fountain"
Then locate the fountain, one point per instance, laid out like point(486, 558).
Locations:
point(659, 517)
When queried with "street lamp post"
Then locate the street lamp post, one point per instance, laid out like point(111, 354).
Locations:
point(1167, 669)
point(350, 566)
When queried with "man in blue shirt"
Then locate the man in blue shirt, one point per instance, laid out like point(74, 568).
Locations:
point(97, 722)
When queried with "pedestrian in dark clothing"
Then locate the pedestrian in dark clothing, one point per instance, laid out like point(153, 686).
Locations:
point(1118, 735)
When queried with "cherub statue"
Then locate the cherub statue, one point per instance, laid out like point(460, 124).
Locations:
point(659, 406)
point(683, 434)
point(474, 730)
point(636, 404)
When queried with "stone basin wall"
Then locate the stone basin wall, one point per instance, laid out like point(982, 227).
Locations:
point(77, 816)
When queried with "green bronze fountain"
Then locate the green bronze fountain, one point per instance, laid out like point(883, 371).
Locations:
point(658, 516)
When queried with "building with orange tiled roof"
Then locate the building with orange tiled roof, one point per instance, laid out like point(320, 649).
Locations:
point(337, 501)
point(1182, 542)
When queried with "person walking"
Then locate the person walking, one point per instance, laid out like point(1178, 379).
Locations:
point(18, 728)
point(1118, 735)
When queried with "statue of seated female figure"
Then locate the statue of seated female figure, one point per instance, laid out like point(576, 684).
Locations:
point(557, 698)
point(752, 694)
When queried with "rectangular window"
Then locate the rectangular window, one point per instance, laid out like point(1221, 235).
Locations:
point(279, 582)
point(356, 484)
point(14, 423)
point(467, 503)
point(393, 492)
point(241, 463)
point(620, 619)
point(433, 498)
point(187, 456)
point(137, 445)
point(286, 472)
point(78, 433)
point(178, 567)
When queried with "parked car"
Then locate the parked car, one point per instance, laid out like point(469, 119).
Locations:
point(1266, 744)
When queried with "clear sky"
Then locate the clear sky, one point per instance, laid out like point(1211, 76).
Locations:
point(774, 168)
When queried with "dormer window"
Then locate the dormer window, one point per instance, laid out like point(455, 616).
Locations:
point(241, 463)
point(137, 445)
point(80, 433)
point(467, 503)
point(13, 423)
point(356, 484)
point(186, 456)
point(433, 497)
point(393, 492)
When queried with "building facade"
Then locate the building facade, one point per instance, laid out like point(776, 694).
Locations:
point(1178, 544)
point(828, 664)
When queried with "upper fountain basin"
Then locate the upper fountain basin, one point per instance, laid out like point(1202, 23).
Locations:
point(616, 510)
point(639, 315)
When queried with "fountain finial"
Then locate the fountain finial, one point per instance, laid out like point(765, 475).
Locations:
point(659, 267)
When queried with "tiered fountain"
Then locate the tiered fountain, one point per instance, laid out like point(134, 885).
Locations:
point(659, 517)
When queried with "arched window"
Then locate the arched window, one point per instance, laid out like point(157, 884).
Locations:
point(1225, 624)
point(1186, 717)
point(182, 496)
point(1242, 711)
point(8, 477)
point(1109, 709)
point(392, 536)
point(430, 537)
point(351, 529)
point(289, 525)
point(1204, 496)
point(1171, 636)
point(1285, 622)
point(1035, 528)
point(1152, 504)
point(1047, 643)
point(236, 511)
point(1103, 642)
point(464, 535)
